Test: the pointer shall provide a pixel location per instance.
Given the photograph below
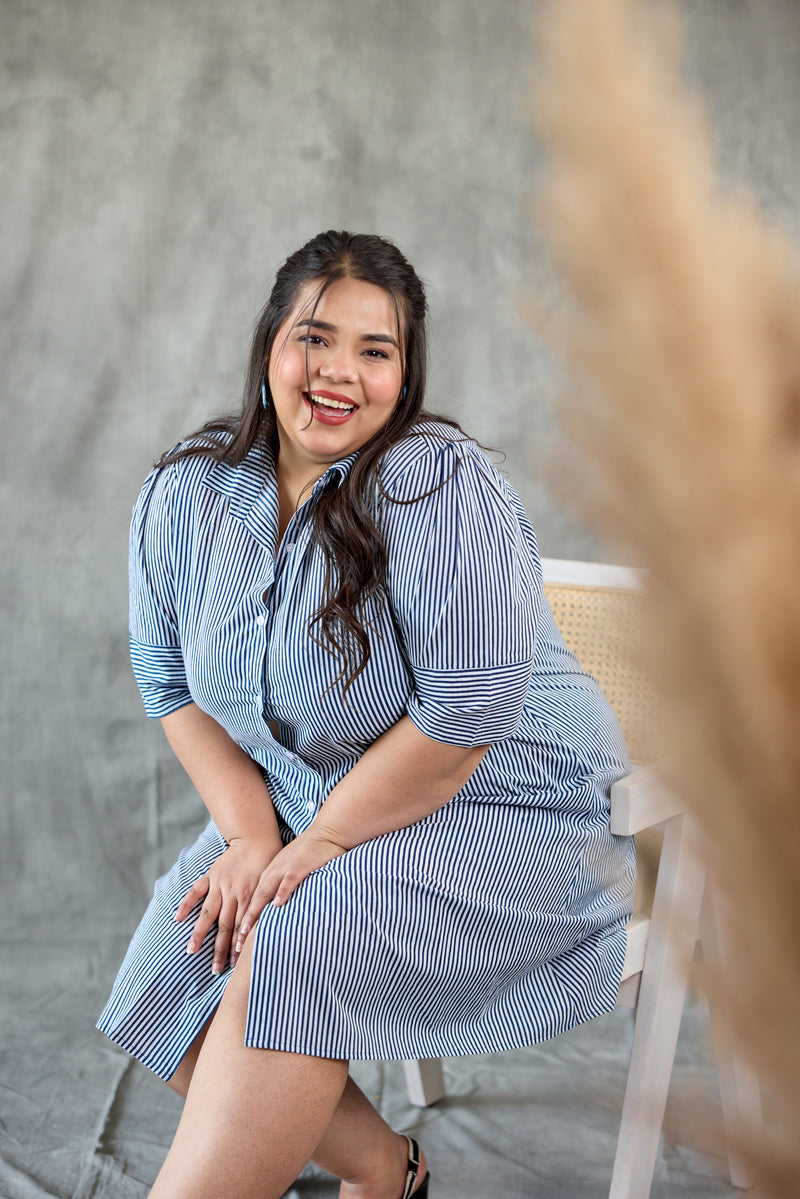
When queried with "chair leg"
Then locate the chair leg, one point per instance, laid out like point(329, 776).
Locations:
point(738, 1082)
point(673, 934)
point(425, 1081)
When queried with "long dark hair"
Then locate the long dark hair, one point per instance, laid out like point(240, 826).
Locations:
point(342, 524)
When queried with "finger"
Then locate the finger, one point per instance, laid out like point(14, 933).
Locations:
point(287, 886)
point(261, 897)
point(196, 892)
point(208, 914)
point(237, 941)
point(241, 937)
point(235, 950)
point(222, 941)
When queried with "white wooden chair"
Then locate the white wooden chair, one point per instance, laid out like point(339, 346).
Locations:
point(599, 609)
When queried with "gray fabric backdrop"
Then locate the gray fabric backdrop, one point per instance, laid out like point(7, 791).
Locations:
point(160, 158)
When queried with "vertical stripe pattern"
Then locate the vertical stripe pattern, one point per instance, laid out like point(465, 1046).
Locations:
point(498, 921)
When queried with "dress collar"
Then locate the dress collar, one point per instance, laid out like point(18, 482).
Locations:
point(336, 474)
point(253, 491)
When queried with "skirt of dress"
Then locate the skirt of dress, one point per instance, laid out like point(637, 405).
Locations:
point(483, 927)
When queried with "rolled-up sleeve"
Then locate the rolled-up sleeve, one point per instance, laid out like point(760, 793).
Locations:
point(154, 630)
point(464, 583)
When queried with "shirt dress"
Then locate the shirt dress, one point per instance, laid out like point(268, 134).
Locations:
point(496, 922)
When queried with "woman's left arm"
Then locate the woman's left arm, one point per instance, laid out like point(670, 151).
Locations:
point(403, 777)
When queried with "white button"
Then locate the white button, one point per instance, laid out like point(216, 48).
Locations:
point(261, 619)
point(312, 807)
point(289, 546)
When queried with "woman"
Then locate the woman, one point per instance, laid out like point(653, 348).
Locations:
point(337, 614)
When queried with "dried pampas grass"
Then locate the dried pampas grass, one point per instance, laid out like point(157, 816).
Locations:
point(684, 338)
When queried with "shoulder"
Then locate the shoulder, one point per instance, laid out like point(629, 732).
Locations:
point(430, 455)
point(193, 465)
point(195, 458)
point(428, 440)
point(191, 480)
point(438, 478)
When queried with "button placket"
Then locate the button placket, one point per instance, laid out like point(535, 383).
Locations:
point(263, 597)
point(271, 597)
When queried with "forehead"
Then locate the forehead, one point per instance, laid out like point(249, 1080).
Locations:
point(349, 303)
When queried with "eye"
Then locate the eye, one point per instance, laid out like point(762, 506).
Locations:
point(376, 354)
point(313, 339)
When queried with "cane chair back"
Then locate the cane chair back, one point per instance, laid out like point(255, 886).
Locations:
point(606, 626)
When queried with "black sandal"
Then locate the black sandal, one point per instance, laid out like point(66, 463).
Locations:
point(413, 1171)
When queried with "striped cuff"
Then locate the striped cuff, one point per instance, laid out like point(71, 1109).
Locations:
point(161, 677)
point(470, 707)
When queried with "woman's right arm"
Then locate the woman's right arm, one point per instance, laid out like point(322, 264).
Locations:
point(233, 789)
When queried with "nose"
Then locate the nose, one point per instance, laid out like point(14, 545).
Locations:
point(339, 367)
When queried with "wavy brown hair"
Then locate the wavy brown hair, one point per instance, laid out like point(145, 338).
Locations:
point(342, 524)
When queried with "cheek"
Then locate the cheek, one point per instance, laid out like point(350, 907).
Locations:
point(287, 369)
point(386, 391)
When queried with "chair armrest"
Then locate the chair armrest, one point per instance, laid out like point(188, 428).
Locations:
point(636, 934)
point(641, 800)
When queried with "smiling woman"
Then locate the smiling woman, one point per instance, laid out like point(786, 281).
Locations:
point(383, 296)
point(344, 338)
point(337, 614)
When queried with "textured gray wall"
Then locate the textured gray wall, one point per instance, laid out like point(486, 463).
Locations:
point(160, 159)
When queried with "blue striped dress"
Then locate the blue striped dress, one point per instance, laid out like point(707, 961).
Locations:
point(499, 920)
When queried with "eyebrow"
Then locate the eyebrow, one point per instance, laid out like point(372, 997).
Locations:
point(313, 323)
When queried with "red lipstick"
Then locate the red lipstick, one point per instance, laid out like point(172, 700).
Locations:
point(333, 413)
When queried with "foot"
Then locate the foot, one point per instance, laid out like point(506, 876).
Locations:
point(416, 1169)
point(392, 1180)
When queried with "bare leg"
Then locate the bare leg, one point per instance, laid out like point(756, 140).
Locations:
point(358, 1146)
point(252, 1117)
point(179, 1083)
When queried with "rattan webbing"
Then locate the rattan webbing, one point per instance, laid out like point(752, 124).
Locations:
point(605, 628)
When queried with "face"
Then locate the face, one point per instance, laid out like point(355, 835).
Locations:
point(351, 346)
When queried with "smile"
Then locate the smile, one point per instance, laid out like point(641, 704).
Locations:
point(328, 408)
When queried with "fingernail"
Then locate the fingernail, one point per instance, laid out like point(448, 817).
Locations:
point(216, 968)
point(191, 947)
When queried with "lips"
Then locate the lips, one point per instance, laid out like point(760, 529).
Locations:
point(329, 407)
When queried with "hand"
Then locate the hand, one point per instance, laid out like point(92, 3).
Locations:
point(286, 871)
point(227, 890)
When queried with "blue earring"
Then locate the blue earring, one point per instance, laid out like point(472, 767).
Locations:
point(263, 393)
point(405, 392)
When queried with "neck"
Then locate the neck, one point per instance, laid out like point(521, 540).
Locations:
point(296, 482)
point(294, 488)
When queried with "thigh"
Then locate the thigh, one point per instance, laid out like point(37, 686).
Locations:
point(179, 1083)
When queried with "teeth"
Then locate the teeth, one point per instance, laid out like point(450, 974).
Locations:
point(327, 403)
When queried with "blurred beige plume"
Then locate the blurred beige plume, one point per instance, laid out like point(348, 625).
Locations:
point(683, 339)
